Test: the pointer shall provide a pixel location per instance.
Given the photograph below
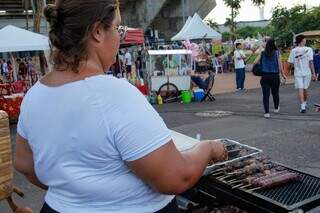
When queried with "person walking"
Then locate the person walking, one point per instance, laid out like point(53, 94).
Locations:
point(239, 65)
point(271, 66)
point(128, 64)
point(316, 61)
point(301, 57)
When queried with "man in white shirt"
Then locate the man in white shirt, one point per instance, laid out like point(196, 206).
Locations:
point(239, 65)
point(128, 63)
point(5, 67)
point(301, 57)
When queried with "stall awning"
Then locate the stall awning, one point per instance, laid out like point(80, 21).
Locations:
point(15, 39)
point(311, 34)
point(135, 36)
point(170, 52)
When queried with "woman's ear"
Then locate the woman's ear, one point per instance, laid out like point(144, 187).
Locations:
point(97, 33)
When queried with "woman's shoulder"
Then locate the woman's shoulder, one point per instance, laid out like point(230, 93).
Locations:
point(104, 84)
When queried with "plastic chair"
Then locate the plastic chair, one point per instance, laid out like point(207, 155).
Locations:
point(208, 93)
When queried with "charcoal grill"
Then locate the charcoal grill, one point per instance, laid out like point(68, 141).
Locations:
point(291, 197)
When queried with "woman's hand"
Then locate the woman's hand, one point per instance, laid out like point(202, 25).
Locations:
point(283, 80)
point(314, 77)
point(218, 151)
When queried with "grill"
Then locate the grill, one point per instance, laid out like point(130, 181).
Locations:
point(303, 195)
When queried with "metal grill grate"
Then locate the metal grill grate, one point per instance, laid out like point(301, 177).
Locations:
point(304, 194)
point(292, 193)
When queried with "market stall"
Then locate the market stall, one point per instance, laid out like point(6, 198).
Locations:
point(168, 72)
point(14, 39)
point(311, 35)
point(135, 36)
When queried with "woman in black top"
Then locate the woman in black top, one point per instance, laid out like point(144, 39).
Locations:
point(270, 81)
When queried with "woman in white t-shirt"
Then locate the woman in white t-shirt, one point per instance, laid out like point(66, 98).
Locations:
point(81, 135)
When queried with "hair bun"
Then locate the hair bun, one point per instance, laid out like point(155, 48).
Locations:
point(51, 14)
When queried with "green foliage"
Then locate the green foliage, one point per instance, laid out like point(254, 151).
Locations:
point(235, 6)
point(249, 31)
point(287, 22)
point(214, 25)
point(252, 58)
point(225, 36)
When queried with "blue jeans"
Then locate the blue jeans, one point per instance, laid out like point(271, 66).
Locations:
point(240, 77)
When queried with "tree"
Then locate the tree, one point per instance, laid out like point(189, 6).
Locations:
point(214, 25)
point(235, 6)
point(285, 23)
point(225, 36)
point(37, 8)
point(231, 25)
point(250, 31)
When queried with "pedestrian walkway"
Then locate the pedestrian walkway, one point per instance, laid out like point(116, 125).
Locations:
point(226, 82)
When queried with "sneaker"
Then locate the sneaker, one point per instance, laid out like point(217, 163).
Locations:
point(276, 110)
point(303, 111)
point(266, 115)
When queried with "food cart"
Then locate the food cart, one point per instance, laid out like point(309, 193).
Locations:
point(168, 72)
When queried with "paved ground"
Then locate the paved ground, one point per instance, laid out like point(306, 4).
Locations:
point(290, 137)
point(226, 82)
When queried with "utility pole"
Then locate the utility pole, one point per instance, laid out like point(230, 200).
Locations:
point(183, 11)
point(26, 8)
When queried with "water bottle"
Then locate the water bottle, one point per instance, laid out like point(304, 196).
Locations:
point(198, 136)
point(159, 99)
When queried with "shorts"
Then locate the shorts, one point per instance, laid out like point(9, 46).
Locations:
point(128, 68)
point(302, 82)
point(199, 82)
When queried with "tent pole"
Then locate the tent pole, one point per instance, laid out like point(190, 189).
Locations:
point(13, 63)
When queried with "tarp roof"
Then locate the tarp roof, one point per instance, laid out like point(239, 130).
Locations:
point(184, 28)
point(170, 52)
point(311, 34)
point(134, 36)
point(196, 29)
point(15, 39)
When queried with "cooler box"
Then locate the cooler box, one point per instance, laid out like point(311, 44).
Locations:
point(198, 94)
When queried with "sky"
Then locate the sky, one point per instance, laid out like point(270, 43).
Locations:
point(249, 12)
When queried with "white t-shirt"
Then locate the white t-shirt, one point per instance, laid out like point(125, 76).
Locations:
point(5, 68)
point(301, 57)
point(128, 59)
point(239, 63)
point(81, 135)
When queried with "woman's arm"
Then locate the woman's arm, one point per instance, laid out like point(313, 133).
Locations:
point(23, 161)
point(257, 60)
point(281, 66)
point(169, 171)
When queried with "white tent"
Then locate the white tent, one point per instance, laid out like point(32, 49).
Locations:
point(196, 29)
point(14, 39)
point(184, 28)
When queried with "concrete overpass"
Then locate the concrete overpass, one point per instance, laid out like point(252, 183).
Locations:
point(165, 16)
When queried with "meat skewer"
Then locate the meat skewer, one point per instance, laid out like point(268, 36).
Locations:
point(249, 179)
point(244, 163)
point(270, 181)
point(254, 189)
point(252, 169)
point(278, 179)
